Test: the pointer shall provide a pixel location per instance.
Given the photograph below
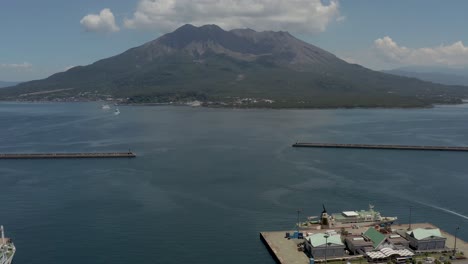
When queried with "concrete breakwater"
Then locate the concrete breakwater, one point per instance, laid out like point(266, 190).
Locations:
point(377, 146)
point(67, 155)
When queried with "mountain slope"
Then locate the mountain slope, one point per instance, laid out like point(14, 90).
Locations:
point(209, 64)
point(456, 78)
point(7, 84)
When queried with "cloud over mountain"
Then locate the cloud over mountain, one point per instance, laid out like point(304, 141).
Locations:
point(102, 22)
point(305, 16)
point(24, 65)
point(455, 54)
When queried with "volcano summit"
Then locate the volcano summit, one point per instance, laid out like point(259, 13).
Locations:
point(240, 67)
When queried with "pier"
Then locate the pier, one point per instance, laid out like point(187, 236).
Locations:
point(68, 155)
point(375, 146)
point(285, 251)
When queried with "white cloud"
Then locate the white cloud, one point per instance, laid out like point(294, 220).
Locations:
point(455, 54)
point(24, 65)
point(102, 22)
point(69, 67)
point(350, 60)
point(303, 16)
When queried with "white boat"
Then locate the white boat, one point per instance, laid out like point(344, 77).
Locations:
point(7, 249)
point(105, 107)
point(116, 112)
point(351, 218)
point(362, 218)
point(195, 103)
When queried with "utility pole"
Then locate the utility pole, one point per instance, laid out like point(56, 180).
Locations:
point(298, 213)
point(3, 235)
point(455, 245)
point(326, 236)
point(409, 227)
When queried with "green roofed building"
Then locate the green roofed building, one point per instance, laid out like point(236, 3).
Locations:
point(373, 240)
point(386, 247)
point(375, 236)
point(426, 239)
point(317, 244)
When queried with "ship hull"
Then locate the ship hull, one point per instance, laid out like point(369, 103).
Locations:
point(7, 252)
point(362, 223)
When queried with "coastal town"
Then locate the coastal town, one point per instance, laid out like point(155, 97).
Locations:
point(364, 237)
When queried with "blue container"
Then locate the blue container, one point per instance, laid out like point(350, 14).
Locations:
point(295, 234)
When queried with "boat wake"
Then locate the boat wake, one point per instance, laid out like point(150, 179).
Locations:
point(444, 210)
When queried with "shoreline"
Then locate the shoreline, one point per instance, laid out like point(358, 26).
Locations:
point(237, 107)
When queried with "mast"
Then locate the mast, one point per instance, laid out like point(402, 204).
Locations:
point(371, 209)
point(3, 235)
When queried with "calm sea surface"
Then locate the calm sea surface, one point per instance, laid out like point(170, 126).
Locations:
point(207, 181)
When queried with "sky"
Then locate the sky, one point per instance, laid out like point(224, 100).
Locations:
point(40, 38)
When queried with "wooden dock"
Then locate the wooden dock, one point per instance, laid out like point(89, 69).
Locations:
point(374, 146)
point(68, 155)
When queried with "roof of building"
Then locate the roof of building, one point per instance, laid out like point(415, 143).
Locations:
point(375, 236)
point(387, 252)
point(358, 241)
point(350, 213)
point(397, 239)
point(317, 240)
point(423, 233)
point(362, 214)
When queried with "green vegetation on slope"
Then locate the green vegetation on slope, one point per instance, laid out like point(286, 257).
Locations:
point(290, 74)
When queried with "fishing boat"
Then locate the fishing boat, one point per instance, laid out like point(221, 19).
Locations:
point(7, 249)
point(105, 107)
point(117, 111)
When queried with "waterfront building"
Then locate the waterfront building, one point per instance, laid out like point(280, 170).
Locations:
point(426, 239)
point(358, 245)
point(378, 246)
point(321, 244)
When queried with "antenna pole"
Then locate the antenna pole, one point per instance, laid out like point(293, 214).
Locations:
point(455, 246)
point(298, 212)
point(409, 227)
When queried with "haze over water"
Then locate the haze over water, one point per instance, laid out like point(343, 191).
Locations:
point(207, 181)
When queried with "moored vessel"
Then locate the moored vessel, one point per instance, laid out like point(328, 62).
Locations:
point(105, 107)
point(7, 249)
point(351, 218)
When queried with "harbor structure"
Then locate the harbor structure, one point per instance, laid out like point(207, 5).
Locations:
point(81, 155)
point(376, 244)
point(379, 146)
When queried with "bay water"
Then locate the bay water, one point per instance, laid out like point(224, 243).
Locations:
point(207, 181)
